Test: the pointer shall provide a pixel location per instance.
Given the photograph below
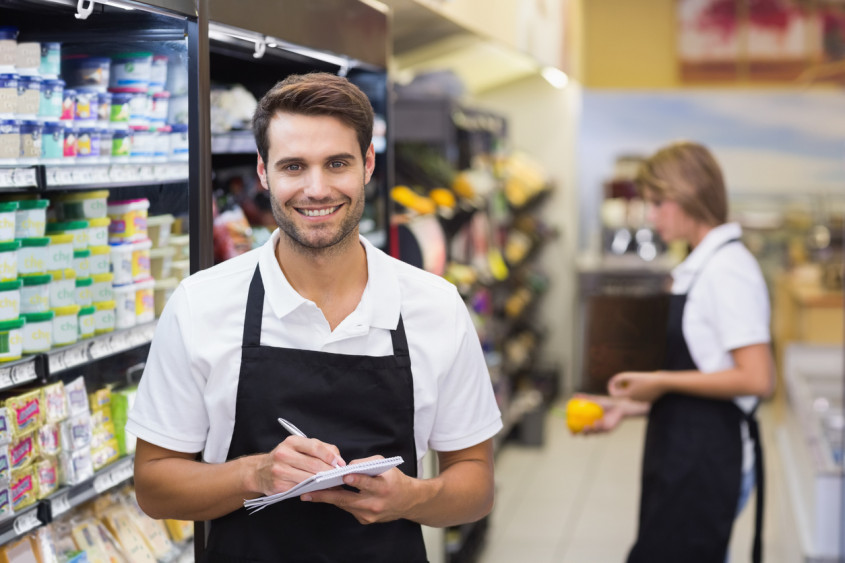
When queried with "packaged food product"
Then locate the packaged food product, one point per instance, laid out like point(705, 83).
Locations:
point(47, 475)
point(83, 205)
point(62, 291)
point(10, 334)
point(81, 263)
point(78, 228)
point(144, 301)
point(77, 396)
point(31, 218)
point(65, 325)
point(23, 486)
point(48, 439)
point(60, 252)
point(35, 293)
point(130, 72)
point(23, 450)
point(102, 288)
point(24, 412)
point(7, 220)
point(86, 322)
point(9, 260)
point(162, 290)
point(124, 299)
point(37, 332)
point(10, 300)
point(128, 220)
point(104, 317)
point(100, 260)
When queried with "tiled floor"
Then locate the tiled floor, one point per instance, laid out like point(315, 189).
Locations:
point(575, 499)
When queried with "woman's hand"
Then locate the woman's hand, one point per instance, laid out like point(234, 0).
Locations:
point(615, 409)
point(638, 385)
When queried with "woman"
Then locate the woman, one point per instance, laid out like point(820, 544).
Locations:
point(702, 444)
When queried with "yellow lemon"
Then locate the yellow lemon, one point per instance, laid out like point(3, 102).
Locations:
point(581, 413)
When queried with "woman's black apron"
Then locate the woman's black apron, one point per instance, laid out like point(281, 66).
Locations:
point(692, 469)
point(362, 404)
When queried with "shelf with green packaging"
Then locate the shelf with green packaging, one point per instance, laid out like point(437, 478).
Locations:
point(65, 499)
point(46, 177)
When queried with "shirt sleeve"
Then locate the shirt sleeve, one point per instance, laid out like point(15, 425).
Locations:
point(169, 410)
point(467, 413)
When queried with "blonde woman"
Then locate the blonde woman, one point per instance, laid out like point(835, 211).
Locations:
point(702, 450)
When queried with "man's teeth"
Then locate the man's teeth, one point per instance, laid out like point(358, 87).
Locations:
point(318, 212)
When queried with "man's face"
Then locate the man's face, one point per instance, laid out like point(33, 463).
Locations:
point(316, 176)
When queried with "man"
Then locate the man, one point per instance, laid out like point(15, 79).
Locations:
point(368, 356)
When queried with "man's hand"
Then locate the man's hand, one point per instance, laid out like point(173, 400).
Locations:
point(293, 461)
point(382, 498)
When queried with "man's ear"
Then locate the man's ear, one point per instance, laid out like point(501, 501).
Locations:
point(261, 169)
point(369, 163)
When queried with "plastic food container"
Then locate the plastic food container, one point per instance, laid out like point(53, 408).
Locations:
point(124, 300)
point(8, 94)
point(181, 243)
point(130, 72)
point(51, 59)
point(85, 110)
point(159, 109)
point(78, 229)
point(83, 291)
point(66, 325)
point(179, 142)
point(70, 147)
point(98, 231)
point(31, 139)
point(68, 104)
point(37, 332)
point(161, 262)
point(52, 95)
point(32, 256)
point(139, 110)
point(8, 46)
point(141, 260)
point(159, 228)
point(10, 140)
point(103, 108)
point(62, 288)
point(143, 143)
point(31, 218)
point(144, 301)
point(121, 144)
point(119, 112)
point(158, 73)
point(11, 340)
point(128, 220)
point(35, 293)
point(86, 321)
point(52, 141)
point(88, 144)
point(9, 260)
point(104, 317)
point(83, 205)
point(121, 263)
point(29, 96)
point(85, 73)
point(161, 147)
point(162, 290)
point(82, 263)
point(28, 57)
point(7, 220)
point(100, 260)
point(102, 289)
point(178, 109)
point(180, 269)
point(60, 252)
point(10, 300)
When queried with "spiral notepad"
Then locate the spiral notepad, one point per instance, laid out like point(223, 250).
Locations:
point(325, 480)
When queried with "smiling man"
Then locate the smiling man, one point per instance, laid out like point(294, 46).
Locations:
point(368, 356)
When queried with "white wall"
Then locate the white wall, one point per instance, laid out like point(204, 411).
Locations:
point(542, 122)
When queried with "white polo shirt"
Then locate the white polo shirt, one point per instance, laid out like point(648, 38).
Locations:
point(186, 398)
point(726, 308)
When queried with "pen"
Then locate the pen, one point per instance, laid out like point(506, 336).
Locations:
point(297, 432)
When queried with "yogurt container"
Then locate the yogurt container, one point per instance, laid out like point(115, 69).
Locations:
point(7, 220)
point(62, 288)
point(28, 58)
point(9, 260)
point(70, 146)
point(121, 145)
point(143, 143)
point(37, 332)
point(88, 144)
point(100, 260)
point(101, 288)
point(82, 263)
point(31, 218)
point(104, 317)
point(178, 109)
point(83, 291)
point(179, 144)
point(32, 256)
point(10, 300)
point(8, 94)
point(86, 321)
point(51, 59)
point(124, 301)
point(130, 72)
point(141, 260)
point(139, 110)
point(79, 230)
point(158, 73)
point(83, 205)
point(68, 104)
point(52, 141)
point(119, 113)
point(8, 46)
point(52, 95)
point(10, 140)
point(85, 109)
point(161, 147)
point(85, 73)
point(159, 109)
point(128, 220)
point(106, 142)
point(121, 263)
point(60, 252)
point(98, 231)
point(65, 325)
point(35, 293)
point(162, 290)
point(29, 96)
point(103, 106)
point(11, 340)
point(144, 301)
point(31, 141)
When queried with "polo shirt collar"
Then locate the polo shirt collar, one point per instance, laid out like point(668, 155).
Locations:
point(709, 244)
point(379, 305)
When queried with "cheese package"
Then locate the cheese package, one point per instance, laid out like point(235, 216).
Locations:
point(101, 417)
point(75, 432)
point(54, 400)
point(180, 530)
point(24, 412)
point(47, 476)
point(5, 464)
point(100, 399)
point(87, 538)
point(77, 397)
point(48, 439)
point(101, 434)
point(120, 523)
point(105, 454)
point(20, 551)
point(75, 466)
point(23, 486)
point(44, 542)
point(23, 450)
point(153, 531)
point(121, 403)
point(5, 501)
point(5, 427)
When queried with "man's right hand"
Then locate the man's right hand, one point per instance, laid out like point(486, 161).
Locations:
point(293, 461)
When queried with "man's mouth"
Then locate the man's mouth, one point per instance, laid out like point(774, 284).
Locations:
point(318, 212)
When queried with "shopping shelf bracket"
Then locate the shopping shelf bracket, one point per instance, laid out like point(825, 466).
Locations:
point(83, 11)
point(260, 47)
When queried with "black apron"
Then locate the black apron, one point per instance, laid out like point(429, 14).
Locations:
point(692, 469)
point(362, 404)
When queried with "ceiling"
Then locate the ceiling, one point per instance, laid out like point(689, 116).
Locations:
point(424, 40)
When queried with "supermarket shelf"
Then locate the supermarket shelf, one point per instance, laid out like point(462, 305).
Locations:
point(99, 347)
point(21, 371)
point(87, 176)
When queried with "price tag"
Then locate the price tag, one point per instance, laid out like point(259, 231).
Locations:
point(25, 177)
point(6, 377)
point(23, 372)
point(113, 477)
point(101, 348)
point(26, 522)
point(59, 505)
point(64, 176)
point(7, 177)
point(100, 175)
point(146, 172)
point(56, 362)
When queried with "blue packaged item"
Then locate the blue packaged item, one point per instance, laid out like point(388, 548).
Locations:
point(52, 92)
point(10, 139)
point(179, 141)
point(31, 137)
point(8, 94)
point(88, 143)
point(8, 47)
point(52, 140)
point(29, 95)
point(51, 58)
point(86, 74)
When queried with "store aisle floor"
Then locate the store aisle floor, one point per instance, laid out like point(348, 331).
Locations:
point(575, 499)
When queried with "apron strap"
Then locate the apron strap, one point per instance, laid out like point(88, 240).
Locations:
point(759, 476)
point(254, 310)
point(400, 342)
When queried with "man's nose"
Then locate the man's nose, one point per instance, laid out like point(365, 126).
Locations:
point(317, 185)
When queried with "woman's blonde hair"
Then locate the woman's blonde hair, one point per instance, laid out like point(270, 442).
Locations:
point(686, 173)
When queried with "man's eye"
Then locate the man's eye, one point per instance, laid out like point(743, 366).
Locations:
point(337, 164)
point(293, 167)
